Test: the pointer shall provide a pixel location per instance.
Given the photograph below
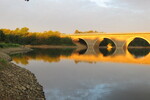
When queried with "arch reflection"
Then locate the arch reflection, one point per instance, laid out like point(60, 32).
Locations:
point(107, 51)
point(81, 52)
point(139, 52)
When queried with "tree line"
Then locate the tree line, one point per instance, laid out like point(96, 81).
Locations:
point(24, 37)
point(82, 32)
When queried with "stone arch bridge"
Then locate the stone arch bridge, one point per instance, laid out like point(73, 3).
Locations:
point(121, 40)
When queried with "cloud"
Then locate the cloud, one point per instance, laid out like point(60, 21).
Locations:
point(103, 3)
point(69, 15)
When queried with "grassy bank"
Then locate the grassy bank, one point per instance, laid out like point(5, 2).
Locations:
point(8, 45)
point(2, 61)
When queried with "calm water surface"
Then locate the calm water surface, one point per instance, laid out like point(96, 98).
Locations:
point(68, 74)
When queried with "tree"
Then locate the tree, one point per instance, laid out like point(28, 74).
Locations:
point(24, 37)
point(77, 31)
point(2, 36)
point(90, 31)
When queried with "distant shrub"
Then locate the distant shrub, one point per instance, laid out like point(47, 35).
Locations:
point(66, 41)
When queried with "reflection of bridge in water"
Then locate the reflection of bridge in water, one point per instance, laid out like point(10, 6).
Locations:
point(118, 57)
point(104, 51)
point(137, 56)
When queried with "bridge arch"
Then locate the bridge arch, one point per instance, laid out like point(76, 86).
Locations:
point(106, 41)
point(101, 46)
point(90, 45)
point(80, 41)
point(107, 52)
point(136, 38)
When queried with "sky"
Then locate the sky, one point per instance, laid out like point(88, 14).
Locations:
point(68, 15)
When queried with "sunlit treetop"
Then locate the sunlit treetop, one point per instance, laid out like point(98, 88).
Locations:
point(25, 32)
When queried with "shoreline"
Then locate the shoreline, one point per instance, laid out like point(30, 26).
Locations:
point(76, 47)
point(17, 83)
point(49, 46)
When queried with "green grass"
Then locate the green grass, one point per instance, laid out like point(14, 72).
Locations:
point(7, 45)
point(2, 61)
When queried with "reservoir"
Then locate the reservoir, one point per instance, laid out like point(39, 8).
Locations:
point(72, 74)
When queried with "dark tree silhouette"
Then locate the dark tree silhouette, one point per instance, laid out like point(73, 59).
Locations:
point(26, 0)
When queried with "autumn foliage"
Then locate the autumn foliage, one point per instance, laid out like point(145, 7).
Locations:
point(24, 37)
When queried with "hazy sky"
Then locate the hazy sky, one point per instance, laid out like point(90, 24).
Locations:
point(69, 15)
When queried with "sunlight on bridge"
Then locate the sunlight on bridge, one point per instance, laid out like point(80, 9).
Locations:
point(120, 40)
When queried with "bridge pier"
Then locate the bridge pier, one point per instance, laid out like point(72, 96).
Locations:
point(90, 46)
point(93, 46)
point(119, 51)
point(118, 43)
